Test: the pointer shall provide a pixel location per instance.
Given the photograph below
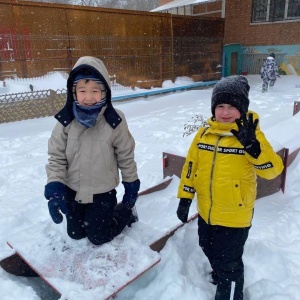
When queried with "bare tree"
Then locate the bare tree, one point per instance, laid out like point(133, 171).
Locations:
point(145, 5)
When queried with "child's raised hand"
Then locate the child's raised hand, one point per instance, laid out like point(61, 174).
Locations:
point(246, 134)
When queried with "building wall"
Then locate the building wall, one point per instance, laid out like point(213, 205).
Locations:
point(207, 8)
point(163, 2)
point(238, 27)
point(239, 16)
point(280, 37)
point(213, 9)
point(36, 38)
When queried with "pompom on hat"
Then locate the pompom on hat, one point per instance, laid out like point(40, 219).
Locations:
point(233, 91)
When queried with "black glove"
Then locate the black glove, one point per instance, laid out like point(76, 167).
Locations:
point(246, 135)
point(131, 193)
point(55, 192)
point(183, 209)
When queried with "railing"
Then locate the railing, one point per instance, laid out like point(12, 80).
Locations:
point(30, 105)
point(252, 62)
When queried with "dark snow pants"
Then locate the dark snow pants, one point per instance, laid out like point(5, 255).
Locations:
point(268, 83)
point(224, 247)
point(98, 221)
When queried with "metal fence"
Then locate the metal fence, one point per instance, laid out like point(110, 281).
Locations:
point(132, 59)
point(138, 48)
point(37, 38)
point(37, 104)
point(30, 105)
point(252, 62)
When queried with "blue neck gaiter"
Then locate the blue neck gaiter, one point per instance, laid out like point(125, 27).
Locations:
point(87, 115)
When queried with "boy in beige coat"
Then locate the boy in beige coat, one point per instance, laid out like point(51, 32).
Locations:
point(88, 147)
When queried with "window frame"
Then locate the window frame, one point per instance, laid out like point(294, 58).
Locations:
point(275, 11)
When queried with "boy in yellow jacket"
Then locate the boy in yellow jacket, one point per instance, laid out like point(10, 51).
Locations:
point(221, 168)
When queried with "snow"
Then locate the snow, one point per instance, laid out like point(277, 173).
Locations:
point(178, 3)
point(78, 269)
point(272, 252)
point(19, 85)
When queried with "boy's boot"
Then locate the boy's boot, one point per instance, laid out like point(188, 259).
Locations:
point(133, 217)
point(265, 86)
point(214, 277)
point(123, 217)
point(227, 289)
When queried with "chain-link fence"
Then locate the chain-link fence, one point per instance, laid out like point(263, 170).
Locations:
point(30, 105)
point(252, 62)
point(131, 60)
point(136, 46)
point(140, 49)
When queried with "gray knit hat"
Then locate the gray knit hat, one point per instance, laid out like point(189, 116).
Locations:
point(89, 74)
point(233, 91)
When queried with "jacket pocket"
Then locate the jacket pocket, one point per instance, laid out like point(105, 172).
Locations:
point(237, 193)
point(196, 181)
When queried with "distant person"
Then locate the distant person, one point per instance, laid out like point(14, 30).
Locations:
point(88, 147)
point(221, 168)
point(269, 72)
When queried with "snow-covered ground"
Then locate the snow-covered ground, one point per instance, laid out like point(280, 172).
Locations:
point(272, 252)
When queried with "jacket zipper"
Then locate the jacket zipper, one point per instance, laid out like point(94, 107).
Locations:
point(211, 177)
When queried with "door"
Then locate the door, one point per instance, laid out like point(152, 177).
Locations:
point(232, 60)
point(234, 63)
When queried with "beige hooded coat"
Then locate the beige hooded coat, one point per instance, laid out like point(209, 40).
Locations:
point(88, 160)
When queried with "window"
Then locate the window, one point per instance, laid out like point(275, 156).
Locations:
point(180, 10)
point(294, 9)
point(188, 10)
point(275, 10)
point(259, 13)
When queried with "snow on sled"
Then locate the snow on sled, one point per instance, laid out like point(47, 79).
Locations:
point(78, 269)
point(44, 249)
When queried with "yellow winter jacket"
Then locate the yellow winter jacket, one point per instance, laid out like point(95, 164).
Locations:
point(224, 176)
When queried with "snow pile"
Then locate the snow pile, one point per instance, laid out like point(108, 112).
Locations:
point(272, 256)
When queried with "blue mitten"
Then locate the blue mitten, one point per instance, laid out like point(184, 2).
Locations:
point(55, 192)
point(131, 193)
